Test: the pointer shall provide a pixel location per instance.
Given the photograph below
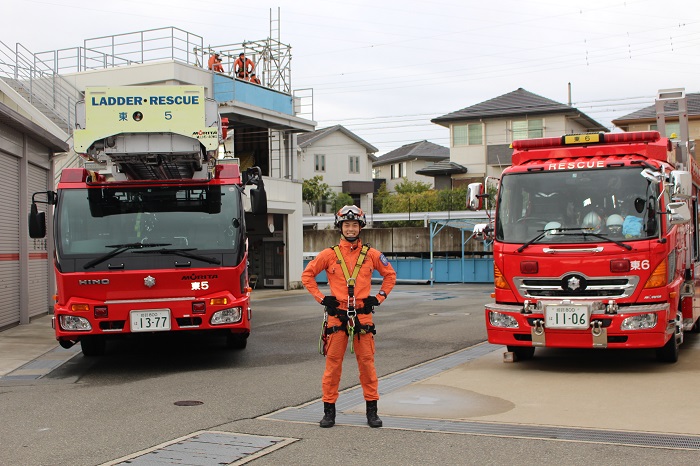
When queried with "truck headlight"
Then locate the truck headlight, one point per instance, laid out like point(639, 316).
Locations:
point(639, 322)
point(227, 316)
point(498, 319)
point(75, 323)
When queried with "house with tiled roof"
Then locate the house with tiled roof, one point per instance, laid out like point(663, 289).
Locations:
point(343, 159)
point(645, 118)
point(480, 135)
point(407, 160)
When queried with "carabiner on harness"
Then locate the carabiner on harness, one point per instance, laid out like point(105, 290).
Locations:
point(323, 339)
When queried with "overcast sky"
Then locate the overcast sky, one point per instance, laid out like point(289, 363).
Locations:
point(384, 68)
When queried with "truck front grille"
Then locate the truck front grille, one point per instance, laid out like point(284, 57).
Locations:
point(587, 288)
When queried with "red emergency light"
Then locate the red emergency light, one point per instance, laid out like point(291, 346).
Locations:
point(586, 139)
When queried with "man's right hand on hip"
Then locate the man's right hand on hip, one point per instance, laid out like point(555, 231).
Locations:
point(330, 301)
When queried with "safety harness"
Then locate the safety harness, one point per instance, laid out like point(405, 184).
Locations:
point(350, 324)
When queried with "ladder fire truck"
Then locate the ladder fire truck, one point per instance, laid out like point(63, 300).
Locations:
point(155, 240)
point(596, 241)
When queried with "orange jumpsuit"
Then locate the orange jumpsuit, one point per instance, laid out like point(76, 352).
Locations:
point(215, 64)
point(337, 342)
point(243, 68)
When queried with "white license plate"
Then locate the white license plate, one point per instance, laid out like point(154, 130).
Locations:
point(572, 316)
point(155, 320)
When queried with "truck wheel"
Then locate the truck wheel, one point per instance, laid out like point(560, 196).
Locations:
point(93, 345)
point(237, 341)
point(522, 353)
point(669, 352)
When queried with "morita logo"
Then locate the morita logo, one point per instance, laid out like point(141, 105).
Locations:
point(103, 281)
point(198, 277)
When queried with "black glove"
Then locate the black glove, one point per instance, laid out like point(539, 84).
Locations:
point(330, 301)
point(371, 301)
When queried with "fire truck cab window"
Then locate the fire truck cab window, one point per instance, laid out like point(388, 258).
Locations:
point(617, 203)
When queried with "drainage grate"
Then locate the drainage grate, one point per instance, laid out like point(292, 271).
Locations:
point(206, 448)
point(42, 365)
point(311, 413)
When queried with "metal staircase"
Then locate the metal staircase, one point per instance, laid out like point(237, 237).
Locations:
point(39, 85)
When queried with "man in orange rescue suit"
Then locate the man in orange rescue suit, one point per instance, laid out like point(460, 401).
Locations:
point(215, 63)
point(243, 67)
point(349, 309)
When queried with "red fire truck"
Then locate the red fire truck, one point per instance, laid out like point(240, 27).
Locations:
point(153, 239)
point(595, 244)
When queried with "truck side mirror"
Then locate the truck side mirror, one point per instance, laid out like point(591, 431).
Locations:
point(474, 196)
point(258, 201)
point(37, 223)
point(681, 184)
point(679, 213)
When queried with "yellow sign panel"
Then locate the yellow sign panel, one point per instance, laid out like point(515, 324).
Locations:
point(110, 111)
point(581, 138)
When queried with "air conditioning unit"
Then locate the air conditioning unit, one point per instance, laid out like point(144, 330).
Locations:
point(272, 282)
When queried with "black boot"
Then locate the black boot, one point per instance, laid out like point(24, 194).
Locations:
point(328, 415)
point(372, 418)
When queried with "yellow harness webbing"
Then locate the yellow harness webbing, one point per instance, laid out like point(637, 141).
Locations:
point(350, 279)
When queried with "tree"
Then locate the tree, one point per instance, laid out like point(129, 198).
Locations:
point(339, 200)
point(313, 191)
point(411, 187)
point(379, 198)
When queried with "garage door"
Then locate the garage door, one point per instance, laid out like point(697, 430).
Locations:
point(39, 302)
point(9, 240)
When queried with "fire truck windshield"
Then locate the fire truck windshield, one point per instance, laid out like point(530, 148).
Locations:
point(577, 206)
point(192, 218)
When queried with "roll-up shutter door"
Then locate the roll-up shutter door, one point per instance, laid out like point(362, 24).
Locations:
point(9, 240)
point(39, 301)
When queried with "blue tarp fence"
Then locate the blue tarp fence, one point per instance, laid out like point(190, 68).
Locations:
point(446, 269)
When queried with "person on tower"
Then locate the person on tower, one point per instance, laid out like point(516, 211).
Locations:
point(215, 63)
point(348, 310)
point(243, 67)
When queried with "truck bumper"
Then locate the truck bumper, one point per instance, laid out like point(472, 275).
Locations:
point(117, 321)
point(605, 331)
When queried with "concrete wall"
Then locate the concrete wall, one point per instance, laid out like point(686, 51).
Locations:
point(396, 240)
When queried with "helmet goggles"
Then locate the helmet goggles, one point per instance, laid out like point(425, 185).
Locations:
point(350, 212)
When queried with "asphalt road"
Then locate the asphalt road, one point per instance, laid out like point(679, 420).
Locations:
point(93, 411)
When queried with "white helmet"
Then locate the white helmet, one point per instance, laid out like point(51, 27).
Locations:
point(592, 221)
point(350, 212)
point(614, 223)
point(551, 228)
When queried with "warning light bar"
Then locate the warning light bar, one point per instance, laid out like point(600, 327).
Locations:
point(588, 138)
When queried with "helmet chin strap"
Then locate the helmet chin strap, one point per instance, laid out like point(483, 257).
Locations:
point(350, 239)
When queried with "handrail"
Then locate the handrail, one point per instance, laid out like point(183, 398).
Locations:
point(37, 82)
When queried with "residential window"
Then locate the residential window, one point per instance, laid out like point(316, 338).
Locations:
point(528, 129)
point(320, 162)
point(670, 129)
point(354, 164)
point(398, 170)
point(467, 135)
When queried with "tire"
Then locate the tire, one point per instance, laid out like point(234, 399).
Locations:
point(93, 345)
point(669, 352)
point(522, 353)
point(237, 341)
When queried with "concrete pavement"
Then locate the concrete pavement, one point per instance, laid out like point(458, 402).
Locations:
point(611, 392)
point(31, 350)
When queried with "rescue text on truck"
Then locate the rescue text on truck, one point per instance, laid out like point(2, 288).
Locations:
point(156, 240)
point(594, 245)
